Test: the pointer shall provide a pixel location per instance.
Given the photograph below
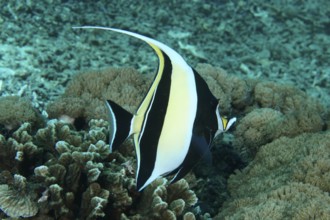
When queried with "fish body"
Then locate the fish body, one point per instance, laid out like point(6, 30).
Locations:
point(175, 123)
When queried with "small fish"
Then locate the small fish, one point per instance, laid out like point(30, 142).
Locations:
point(175, 123)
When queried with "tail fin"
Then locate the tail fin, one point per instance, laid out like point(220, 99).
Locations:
point(120, 123)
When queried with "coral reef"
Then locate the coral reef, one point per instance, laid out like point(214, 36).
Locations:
point(271, 110)
point(17, 111)
point(86, 93)
point(279, 134)
point(126, 87)
point(15, 200)
point(282, 110)
point(233, 92)
point(68, 172)
point(287, 42)
point(161, 202)
point(63, 173)
point(288, 179)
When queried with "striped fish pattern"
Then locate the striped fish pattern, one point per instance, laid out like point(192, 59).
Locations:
point(175, 123)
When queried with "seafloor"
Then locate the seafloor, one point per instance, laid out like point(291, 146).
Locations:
point(267, 61)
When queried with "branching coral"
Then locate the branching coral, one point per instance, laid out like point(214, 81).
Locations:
point(22, 140)
point(67, 166)
point(16, 200)
point(94, 200)
point(161, 202)
point(73, 175)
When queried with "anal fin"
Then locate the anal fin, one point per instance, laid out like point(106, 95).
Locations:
point(199, 149)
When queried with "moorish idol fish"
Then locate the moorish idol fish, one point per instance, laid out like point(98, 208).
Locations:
point(176, 121)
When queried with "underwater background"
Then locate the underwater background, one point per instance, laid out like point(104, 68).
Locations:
point(268, 62)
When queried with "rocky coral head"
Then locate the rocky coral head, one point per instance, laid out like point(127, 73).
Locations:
point(85, 95)
point(15, 111)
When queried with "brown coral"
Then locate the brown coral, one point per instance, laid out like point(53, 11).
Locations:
point(86, 94)
point(270, 109)
point(283, 176)
point(19, 149)
point(16, 200)
point(301, 111)
point(257, 128)
point(76, 163)
point(77, 177)
point(165, 202)
point(16, 110)
point(94, 200)
point(267, 112)
point(60, 177)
